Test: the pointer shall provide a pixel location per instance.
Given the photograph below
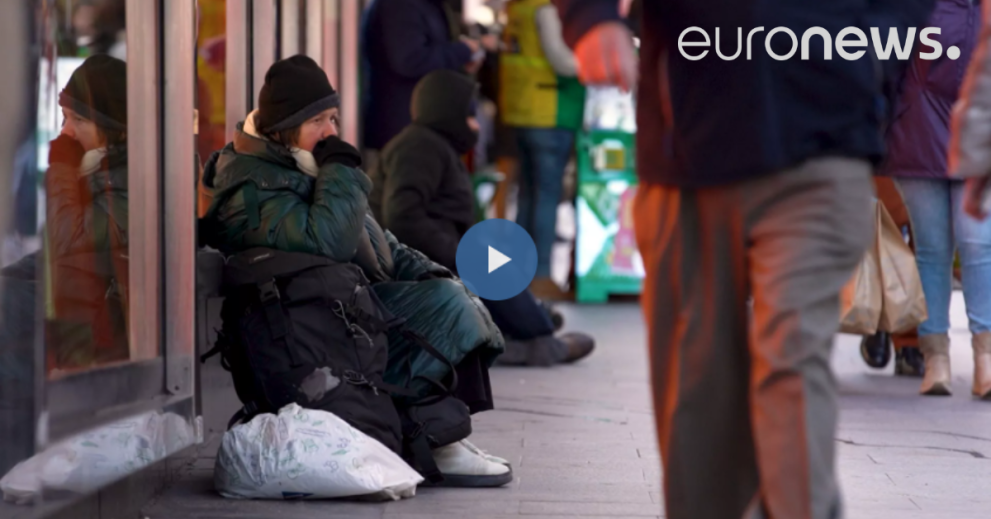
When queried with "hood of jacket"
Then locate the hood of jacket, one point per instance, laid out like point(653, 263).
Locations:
point(249, 143)
point(443, 101)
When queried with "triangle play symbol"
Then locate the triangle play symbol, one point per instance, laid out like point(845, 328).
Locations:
point(497, 259)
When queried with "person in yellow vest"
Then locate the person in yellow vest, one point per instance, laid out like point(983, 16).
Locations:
point(542, 100)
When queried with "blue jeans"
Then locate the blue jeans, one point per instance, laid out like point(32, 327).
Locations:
point(940, 226)
point(543, 155)
point(520, 317)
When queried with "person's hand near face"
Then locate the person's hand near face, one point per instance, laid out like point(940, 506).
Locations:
point(323, 125)
point(82, 130)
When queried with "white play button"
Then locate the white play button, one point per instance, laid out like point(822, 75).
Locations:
point(497, 259)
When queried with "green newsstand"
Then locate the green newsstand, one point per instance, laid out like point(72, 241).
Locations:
point(607, 261)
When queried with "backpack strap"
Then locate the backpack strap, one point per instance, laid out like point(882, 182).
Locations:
point(391, 322)
point(278, 327)
point(244, 414)
point(418, 339)
point(419, 449)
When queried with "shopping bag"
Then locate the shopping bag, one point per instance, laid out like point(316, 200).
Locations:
point(860, 299)
point(308, 454)
point(903, 305)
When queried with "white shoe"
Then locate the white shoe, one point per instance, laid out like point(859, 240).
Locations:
point(464, 466)
point(480, 452)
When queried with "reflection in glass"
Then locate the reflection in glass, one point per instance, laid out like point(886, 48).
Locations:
point(89, 461)
point(64, 256)
point(211, 43)
point(86, 186)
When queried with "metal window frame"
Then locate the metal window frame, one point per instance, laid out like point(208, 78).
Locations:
point(350, 70)
point(264, 42)
point(144, 173)
point(290, 25)
point(313, 43)
point(179, 162)
point(237, 89)
point(331, 22)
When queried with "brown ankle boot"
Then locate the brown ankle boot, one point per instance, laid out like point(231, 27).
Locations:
point(982, 365)
point(936, 349)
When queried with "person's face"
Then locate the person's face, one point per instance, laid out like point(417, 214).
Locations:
point(84, 19)
point(318, 128)
point(82, 130)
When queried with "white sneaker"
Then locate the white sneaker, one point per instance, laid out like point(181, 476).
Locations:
point(480, 452)
point(464, 466)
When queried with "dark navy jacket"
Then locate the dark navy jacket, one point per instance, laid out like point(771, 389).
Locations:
point(403, 41)
point(920, 132)
point(735, 120)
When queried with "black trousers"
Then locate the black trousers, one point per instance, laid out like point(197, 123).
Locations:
point(474, 387)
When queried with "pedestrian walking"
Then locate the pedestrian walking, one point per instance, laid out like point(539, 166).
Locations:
point(755, 185)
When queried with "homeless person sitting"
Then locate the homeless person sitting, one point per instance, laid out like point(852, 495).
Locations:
point(288, 183)
point(422, 193)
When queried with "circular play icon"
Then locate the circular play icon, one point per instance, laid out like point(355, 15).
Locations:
point(496, 259)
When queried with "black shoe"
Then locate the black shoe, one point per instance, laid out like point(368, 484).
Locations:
point(578, 345)
point(547, 351)
point(876, 350)
point(909, 362)
point(543, 352)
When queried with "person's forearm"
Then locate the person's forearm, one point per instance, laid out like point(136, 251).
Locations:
point(552, 42)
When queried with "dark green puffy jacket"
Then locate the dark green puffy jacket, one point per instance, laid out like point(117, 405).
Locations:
point(262, 199)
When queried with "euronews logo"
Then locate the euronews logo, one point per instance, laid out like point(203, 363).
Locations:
point(847, 43)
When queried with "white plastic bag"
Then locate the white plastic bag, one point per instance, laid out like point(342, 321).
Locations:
point(96, 458)
point(308, 454)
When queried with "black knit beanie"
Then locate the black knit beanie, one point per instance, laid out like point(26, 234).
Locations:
point(295, 90)
point(97, 91)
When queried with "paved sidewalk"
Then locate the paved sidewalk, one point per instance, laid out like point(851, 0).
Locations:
point(582, 443)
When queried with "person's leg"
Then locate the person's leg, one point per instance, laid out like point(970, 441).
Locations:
point(474, 387)
point(529, 332)
point(973, 241)
point(520, 317)
point(552, 147)
point(928, 202)
point(526, 178)
point(929, 207)
point(695, 306)
point(807, 229)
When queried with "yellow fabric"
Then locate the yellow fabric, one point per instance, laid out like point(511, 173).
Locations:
point(529, 86)
point(213, 24)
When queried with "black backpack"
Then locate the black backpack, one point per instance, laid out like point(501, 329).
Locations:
point(292, 319)
point(292, 325)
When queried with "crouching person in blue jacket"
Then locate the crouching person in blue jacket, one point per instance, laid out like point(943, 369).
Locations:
point(288, 182)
